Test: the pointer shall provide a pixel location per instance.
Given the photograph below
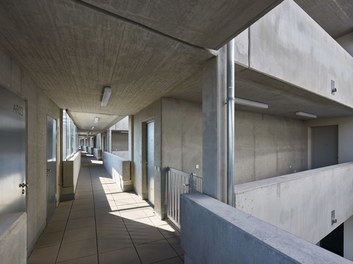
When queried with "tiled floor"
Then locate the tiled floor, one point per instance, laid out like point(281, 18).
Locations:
point(104, 225)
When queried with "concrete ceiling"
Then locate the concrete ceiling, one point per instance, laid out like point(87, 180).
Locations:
point(142, 49)
point(87, 121)
point(283, 99)
point(335, 16)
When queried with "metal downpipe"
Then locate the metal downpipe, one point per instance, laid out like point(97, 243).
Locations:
point(230, 123)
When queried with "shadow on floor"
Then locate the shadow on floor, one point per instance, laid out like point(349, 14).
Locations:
point(104, 225)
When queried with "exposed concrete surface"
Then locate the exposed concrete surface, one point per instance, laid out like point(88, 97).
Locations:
point(119, 169)
point(97, 153)
point(301, 203)
point(346, 42)
point(147, 114)
point(334, 16)
point(71, 171)
point(13, 238)
point(123, 124)
point(268, 146)
point(214, 144)
point(205, 23)
point(345, 132)
point(120, 141)
point(182, 135)
point(39, 106)
point(289, 45)
point(213, 232)
point(348, 239)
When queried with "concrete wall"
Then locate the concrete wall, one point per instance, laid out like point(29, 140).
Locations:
point(182, 135)
point(120, 141)
point(119, 169)
point(71, 170)
point(123, 124)
point(213, 232)
point(348, 239)
point(13, 238)
point(151, 112)
point(39, 106)
point(287, 44)
point(345, 132)
point(346, 42)
point(98, 153)
point(268, 146)
point(301, 203)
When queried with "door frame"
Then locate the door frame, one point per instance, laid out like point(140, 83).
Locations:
point(144, 157)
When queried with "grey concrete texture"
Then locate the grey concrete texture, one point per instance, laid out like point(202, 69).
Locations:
point(208, 23)
point(305, 56)
point(348, 239)
point(182, 135)
point(346, 42)
point(345, 131)
point(213, 232)
point(268, 146)
point(70, 172)
point(301, 203)
point(334, 16)
point(214, 127)
point(13, 243)
point(120, 141)
point(39, 106)
point(119, 169)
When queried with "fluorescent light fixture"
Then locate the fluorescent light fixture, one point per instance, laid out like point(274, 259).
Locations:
point(106, 95)
point(303, 114)
point(245, 102)
point(96, 119)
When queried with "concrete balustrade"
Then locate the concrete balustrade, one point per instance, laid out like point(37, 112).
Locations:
point(214, 232)
point(97, 153)
point(71, 170)
point(301, 203)
point(13, 238)
point(119, 169)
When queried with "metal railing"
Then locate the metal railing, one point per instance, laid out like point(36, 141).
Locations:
point(177, 183)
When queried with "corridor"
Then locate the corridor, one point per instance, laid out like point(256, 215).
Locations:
point(104, 225)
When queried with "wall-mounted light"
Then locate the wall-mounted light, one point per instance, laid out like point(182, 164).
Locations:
point(245, 102)
point(96, 119)
point(106, 95)
point(308, 115)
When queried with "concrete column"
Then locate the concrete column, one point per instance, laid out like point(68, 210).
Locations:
point(214, 94)
point(109, 140)
point(348, 239)
point(131, 137)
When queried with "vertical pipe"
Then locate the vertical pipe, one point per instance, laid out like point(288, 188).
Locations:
point(230, 123)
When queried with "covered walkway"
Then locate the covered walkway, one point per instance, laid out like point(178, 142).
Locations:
point(105, 225)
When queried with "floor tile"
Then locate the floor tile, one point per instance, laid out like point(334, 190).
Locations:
point(79, 234)
point(155, 251)
point(46, 255)
point(176, 260)
point(145, 235)
point(121, 256)
point(77, 249)
point(48, 239)
point(84, 260)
